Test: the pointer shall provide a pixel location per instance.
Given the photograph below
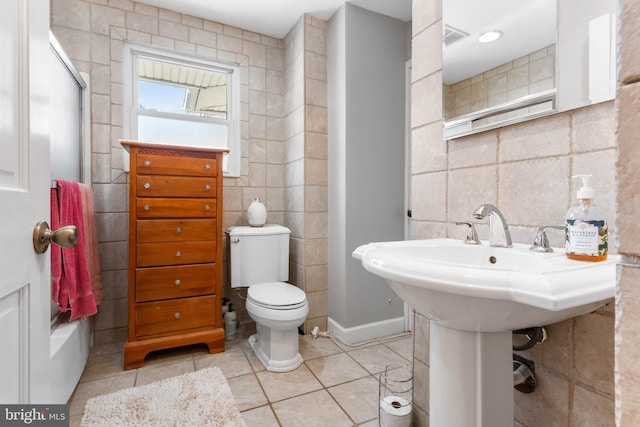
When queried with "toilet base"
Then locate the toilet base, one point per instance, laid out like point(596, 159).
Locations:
point(276, 350)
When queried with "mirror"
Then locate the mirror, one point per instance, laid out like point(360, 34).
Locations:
point(547, 57)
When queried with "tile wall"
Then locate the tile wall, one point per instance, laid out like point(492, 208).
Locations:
point(525, 170)
point(627, 338)
point(93, 34)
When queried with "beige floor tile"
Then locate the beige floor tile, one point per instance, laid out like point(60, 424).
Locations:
point(247, 392)
point(312, 349)
point(244, 331)
point(74, 421)
point(315, 409)
point(336, 369)
point(358, 398)
point(151, 373)
point(102, 366)
point(375, 358)
point(101, 349)
point(297, 397)
point(232, 363)
point(260, 417)
point(86, 390)
point(255, 363)
point(403, 346)
point(283, 385)
point(350, 347)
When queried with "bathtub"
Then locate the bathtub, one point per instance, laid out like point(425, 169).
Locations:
point(68, 357)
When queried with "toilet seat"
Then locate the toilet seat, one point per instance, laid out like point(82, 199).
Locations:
point(276, 296)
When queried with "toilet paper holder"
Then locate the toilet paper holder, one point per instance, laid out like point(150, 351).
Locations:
point(395, 396)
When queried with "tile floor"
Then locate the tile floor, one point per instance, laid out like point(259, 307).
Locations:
point(337, 385)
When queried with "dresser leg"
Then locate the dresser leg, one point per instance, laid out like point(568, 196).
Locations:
point(134, 355)
point(136, 351)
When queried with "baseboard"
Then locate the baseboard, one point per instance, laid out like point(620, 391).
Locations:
point(366, 332)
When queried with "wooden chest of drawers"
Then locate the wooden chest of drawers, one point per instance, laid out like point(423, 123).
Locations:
point(175, 251)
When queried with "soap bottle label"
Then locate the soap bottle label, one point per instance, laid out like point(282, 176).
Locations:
point(587, 237)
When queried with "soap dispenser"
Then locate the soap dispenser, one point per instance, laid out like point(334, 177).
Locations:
point(230, 325)
point(586, 234)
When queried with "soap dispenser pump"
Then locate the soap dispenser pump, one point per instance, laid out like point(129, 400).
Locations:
point(586, 234)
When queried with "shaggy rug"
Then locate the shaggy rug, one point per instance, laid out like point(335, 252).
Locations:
point(201, 398)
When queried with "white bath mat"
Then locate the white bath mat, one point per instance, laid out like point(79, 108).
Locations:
point(201, 398)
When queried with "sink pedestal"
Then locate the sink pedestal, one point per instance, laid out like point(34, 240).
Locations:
point(471, 378)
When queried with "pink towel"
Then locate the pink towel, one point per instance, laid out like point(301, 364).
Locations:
point(56, 251)
point(91, 241)
point(71, 281)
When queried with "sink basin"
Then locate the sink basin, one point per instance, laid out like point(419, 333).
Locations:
point(475, 295)
point(487, 289)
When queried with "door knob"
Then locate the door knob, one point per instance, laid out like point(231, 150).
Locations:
point(67, 237)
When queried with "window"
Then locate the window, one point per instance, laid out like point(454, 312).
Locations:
point(176, 99)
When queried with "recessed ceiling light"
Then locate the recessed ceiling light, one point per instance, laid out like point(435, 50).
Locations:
point(490, 36)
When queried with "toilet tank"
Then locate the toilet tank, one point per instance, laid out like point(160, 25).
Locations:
point(258, 254)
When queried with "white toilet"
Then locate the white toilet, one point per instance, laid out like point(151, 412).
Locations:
point(259, 259)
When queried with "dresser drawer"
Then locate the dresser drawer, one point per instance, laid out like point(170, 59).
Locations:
point(171, 208)
point(153, 164)
point(159, 254)
point(158, 283)
point(174, 186)
point(175, 230)
point(164, 317)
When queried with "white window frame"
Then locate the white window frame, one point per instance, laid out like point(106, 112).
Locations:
point(130, 98)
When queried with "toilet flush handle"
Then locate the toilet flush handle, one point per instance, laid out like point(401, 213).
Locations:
point(235, 240)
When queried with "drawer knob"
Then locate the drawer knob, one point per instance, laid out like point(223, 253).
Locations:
point(147, 163)
point(207, 166)
point(178, 253)
point(207, 187)
point(177, 282)
point(206, 207)
point(147, 185)
point(176, 314)
point(178, 230)
point(147, 207)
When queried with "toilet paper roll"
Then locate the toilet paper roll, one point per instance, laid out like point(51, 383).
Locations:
point(395, 411)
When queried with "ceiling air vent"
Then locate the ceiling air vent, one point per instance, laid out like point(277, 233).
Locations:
point(452, 35)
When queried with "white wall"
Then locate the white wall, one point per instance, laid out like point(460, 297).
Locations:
point(367, 55)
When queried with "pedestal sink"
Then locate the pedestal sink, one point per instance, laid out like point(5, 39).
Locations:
point(475, 295)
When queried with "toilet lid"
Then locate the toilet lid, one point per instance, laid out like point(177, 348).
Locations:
point(277, 295)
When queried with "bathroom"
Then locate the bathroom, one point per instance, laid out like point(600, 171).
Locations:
point(576, 378)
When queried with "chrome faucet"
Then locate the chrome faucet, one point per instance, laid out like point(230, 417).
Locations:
point(541, 243)
point(498, 230)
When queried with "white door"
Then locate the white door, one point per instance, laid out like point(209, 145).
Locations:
point(24, 200)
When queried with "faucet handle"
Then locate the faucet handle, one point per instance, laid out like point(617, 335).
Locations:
point(472, 235)
point(541, 243)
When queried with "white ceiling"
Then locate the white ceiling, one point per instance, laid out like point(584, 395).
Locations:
point(528, 25)
point(275, 17)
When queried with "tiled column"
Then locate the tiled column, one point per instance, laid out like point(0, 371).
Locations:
point(306, 162)
point(627, 336)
